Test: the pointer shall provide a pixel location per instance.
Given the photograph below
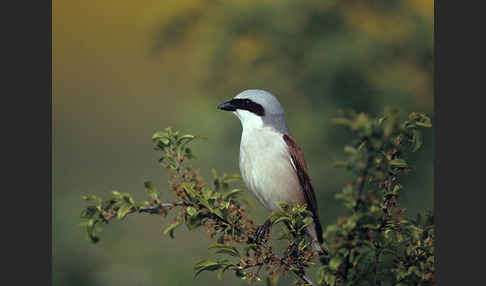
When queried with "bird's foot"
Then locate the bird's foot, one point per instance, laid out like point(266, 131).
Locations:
point(261, 232)
point(323, 256)
point(324, 259)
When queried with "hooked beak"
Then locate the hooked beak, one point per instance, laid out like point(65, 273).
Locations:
point(228, 106)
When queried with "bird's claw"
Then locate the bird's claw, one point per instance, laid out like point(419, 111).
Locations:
point(261, 232)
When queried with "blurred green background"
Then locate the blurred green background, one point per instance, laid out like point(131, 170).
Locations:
point(124, 69)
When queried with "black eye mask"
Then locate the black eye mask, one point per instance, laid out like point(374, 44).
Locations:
point(244, 104)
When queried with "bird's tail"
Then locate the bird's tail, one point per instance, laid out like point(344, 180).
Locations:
point(317, 242)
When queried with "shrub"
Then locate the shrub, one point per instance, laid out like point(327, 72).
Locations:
point(373, 245)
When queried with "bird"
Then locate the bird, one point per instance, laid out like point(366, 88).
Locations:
point(271, 163)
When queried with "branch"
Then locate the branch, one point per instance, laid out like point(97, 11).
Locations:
point(298, 271)
point(363, 181)
point(156, 208)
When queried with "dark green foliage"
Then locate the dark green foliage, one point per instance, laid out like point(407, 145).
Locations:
point(375, 244)
point(116, 205)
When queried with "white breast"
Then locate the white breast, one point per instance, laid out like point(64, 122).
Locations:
point(267, 169)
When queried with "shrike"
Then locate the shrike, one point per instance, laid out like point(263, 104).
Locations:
point(272, 165)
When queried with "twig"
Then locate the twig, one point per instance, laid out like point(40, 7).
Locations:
point(156, 208)
point(299, 272)
point(363, 181)
point(358, 202)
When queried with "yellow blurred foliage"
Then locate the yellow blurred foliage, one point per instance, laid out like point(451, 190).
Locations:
point(389, 27)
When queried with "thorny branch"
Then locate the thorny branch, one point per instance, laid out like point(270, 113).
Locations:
point(298, 271)
point(362, 182)
point(156, 208)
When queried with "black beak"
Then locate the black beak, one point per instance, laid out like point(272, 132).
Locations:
point(228, 106)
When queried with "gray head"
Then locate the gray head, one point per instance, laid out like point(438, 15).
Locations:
point(257, 109)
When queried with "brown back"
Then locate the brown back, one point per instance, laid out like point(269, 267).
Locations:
point(305, 181)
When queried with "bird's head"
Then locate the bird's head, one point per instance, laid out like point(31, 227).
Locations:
point(257, 109)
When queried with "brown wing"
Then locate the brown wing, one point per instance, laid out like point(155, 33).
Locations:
point(305, 181)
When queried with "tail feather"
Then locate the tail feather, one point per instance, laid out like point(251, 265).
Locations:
point(314, 230)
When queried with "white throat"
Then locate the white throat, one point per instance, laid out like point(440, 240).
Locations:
point(249, 120)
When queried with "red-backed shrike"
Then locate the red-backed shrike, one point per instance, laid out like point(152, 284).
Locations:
point(272, 165)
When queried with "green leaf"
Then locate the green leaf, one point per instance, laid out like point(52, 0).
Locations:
point(335, 262)
point(141, 204)
point(207, 265)
point(226, 249)
point(188, 138)
point(398, 163)
point(218, 213)
point(424, 124)
point(232, 178)
point(391, 116)
point(191, 211)
point(189, 190)
point(123, 211)
point(151, 190)
point(416, 140)
point(420, 119)
point(116, 194)
point(159, 135)
point(92, 198)
point(232, 193)
point(396, 188)
point(193, 222)
point(350, 149)
point(280, 219)
point(127, 198)
point(341, 121)
point(341, 164)
point(170, 230)
point(90, 212)
point(306, 221)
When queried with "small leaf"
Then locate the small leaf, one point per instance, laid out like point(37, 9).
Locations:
point(89, 212)
point(335, 262)
point(224, 248)
point(341, 121)
point(193, 222)
point(398, 163)
point(170, 229)
point(424, 124)
point(158, 135)
point(232, 178)
point(151, 190)
point(416, 140)
point(188, 138)
point(123, 211)
point(116, 194)
point(227, 251)
point(206, 265)
point(282, 218)
point(191, 211)
point(92, 198)
point(189, 190)
point(232, 193)
point(349, 149)
point(306, 221)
